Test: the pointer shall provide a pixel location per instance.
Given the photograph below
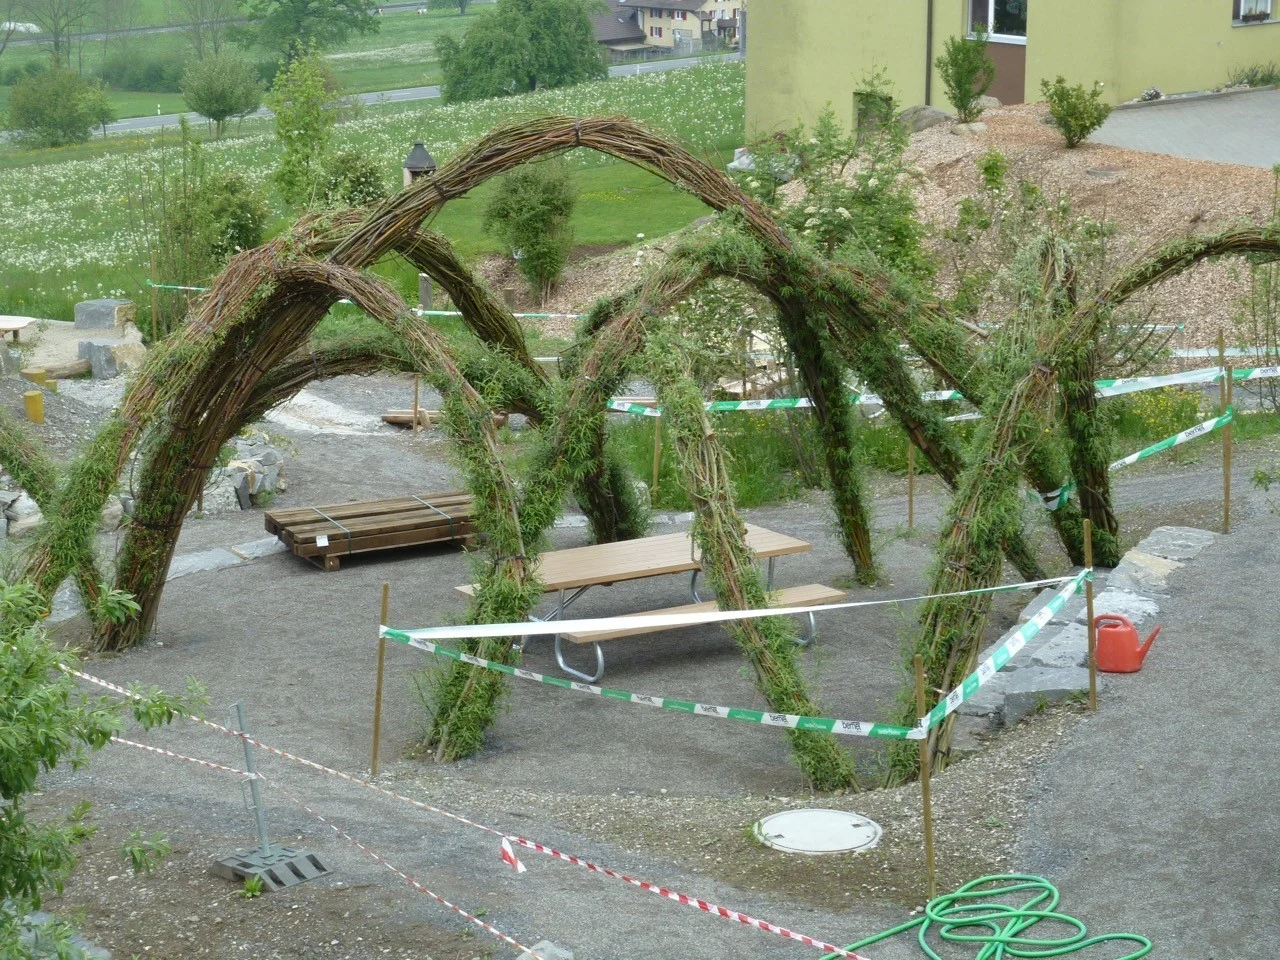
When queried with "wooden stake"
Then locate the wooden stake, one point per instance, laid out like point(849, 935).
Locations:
point(155, 300)
point(377, 695)
point(657, 457)
point(416, 383)
point(1226, 452)
point(926, 786)
point(911, 485)
point(1093, 632)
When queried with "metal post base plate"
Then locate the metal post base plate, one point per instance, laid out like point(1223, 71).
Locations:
point(281, 868)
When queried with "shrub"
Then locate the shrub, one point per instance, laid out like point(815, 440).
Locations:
point(161, 74)
point(1075, 111)
point(1255, 75)
point(51, 109)
point(302, 101)
point(222, 87)
point(530, 212)
point(967, 74)
point(229, 214)
point(352, 179)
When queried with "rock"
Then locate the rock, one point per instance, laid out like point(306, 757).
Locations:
point(104, 314)
point(219, 496)
point(969, 129)
point(67, 603)
point(549, 951)
point(1064, 616)
point(967, 736)
point(126, 504)
point(1177, 543)
point(112, 514)
point(1034, 687)
point(10, 361)
point(23, 515)
point(202, 562)
point(1067, 648)
point(1122, 603)
point(1146, 570)
point(110, 358)
point(989, 700)
point(921, 117)
point(989, 102)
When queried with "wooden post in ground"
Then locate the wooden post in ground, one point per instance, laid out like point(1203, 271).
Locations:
point(911, 485)
point(155, 300)
point(377, 695)
point(657, 458)
point(1228, 401)
point(1093, 631)
point(926, 786)
point(417, 379)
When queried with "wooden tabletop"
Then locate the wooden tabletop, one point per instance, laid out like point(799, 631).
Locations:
point(606, 563)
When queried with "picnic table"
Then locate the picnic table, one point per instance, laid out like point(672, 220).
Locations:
point(14, 325)
point(571, 573)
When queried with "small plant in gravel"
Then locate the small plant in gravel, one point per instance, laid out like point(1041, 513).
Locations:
point(143, 854)
point(1074, 110)
point(252, 888)
point(967, 74)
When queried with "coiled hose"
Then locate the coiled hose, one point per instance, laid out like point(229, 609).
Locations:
point(972, 915)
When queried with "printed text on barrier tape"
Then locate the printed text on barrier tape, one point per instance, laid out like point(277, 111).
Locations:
point(1058, 498)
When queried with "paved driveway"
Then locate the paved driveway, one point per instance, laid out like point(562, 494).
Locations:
point(1237, 128)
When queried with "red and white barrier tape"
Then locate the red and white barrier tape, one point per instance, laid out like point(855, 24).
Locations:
point(178, 756)
point(507, 854)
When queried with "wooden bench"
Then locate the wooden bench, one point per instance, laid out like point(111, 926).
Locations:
point(810, 595)
point(14, 325)
point(324, 535)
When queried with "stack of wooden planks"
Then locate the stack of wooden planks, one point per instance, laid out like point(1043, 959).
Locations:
point(430, 418)
point(325, 535)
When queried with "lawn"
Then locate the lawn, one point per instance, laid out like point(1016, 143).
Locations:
point(71, 223)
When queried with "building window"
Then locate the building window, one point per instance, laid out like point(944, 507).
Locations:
point(1252, 11)
point(655, 32)
point(677, 14)
point(1003, 19)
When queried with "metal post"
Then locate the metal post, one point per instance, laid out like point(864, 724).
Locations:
point(416, 385)
point(926, 787)
point(911, 485)
point(657, 457)
point(1093, 632)
point(255, 789)
point(1226, 452)
point(377, 695)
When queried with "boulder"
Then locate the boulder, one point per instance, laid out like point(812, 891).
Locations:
point(112, 514)
point(969, 129)
point(219, 495)
point(23, 515)
point(988, 102)
point(921, 117)
point(104, 314)
point(110, 358)
point(10, 361)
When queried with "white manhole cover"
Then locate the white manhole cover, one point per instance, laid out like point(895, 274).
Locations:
point(817, 831)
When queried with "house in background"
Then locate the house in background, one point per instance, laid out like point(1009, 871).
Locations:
point(618, 31)
point(807, 54)
point(683, 27)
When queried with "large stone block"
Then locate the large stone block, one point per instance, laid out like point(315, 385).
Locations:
point(23, 515)
point(104, 314)
point(1123, 603)
point(1145, 571)
point(10, 361)
point(110, 358)
point(1068, 648)
point(1177, 543)
point(989, 700)
point(921, 117)
point(1035, 687)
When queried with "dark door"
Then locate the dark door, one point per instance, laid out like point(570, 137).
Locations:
point(1011, 71)
point(1005, 22)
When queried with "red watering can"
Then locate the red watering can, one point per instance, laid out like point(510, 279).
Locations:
point(1119, 649)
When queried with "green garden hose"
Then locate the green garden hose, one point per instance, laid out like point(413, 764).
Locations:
point(972, 915)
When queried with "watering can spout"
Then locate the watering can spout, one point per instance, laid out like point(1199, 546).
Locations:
point(1118, 648)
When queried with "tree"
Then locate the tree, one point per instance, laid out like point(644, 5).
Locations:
point(207, 21)
point(59, 20)
point(447, 4)
point(521, 45)
point(8, 21)
point(47, 723)
point(98, 107)
point(221, 87)
point(967, 73)
point(52, 109)
point(530, 213)
point(290, 27)
point(305, 116)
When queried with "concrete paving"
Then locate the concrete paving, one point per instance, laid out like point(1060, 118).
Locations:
point(1239, 128)
point(1158, 816)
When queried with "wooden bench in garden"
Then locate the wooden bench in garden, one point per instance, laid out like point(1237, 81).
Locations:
point(571, 573)
point(14, 325)
point(324, 535)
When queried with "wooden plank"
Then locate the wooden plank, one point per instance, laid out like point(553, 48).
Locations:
point(366, 508)
point(339, 546)
point(388, 523)
point(810, 595)
point(606, 563)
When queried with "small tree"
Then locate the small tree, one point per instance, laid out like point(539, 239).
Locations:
point(305, 115)
point(352, 179)
point(1075, 111)
point(99, 107)
point(291, 28)
point(51, 109)
point(449, 4)
point(221, 87)
point(530, 212)
point(967, 74)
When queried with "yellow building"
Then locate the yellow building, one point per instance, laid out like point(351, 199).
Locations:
point(806, 54)
point(686, 25)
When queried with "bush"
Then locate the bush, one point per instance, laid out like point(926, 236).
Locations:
point(530, 212)
point(220, 88)
point(352, 179)
point(1255, 75)
point(161, 74)
point(52, 109)
point(230, 215)
point(967, 74)
point(15, 75)
point(1075, 111)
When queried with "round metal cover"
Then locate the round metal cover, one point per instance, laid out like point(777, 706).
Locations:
point(817, 831)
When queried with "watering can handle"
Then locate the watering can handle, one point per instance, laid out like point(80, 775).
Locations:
point(1104, 618)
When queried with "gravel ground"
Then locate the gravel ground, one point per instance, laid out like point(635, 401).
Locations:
point(664, 797)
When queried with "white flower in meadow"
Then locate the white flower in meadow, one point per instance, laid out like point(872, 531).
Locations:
point(844, 213)
point(810, 209)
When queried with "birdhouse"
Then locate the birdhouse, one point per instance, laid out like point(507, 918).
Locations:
point(419, 163)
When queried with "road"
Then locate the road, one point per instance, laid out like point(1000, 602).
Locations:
point(406, 94)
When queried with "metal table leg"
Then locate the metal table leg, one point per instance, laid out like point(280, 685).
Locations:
point(809, 635)
point(577, 673)
point(769, 577)
point(693, 587)
point(562, 604)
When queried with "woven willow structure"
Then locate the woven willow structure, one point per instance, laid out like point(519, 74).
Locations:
point(244, 349)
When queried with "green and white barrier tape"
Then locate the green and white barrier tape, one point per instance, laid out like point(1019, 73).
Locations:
point(424, 640)
point(1058, 499)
